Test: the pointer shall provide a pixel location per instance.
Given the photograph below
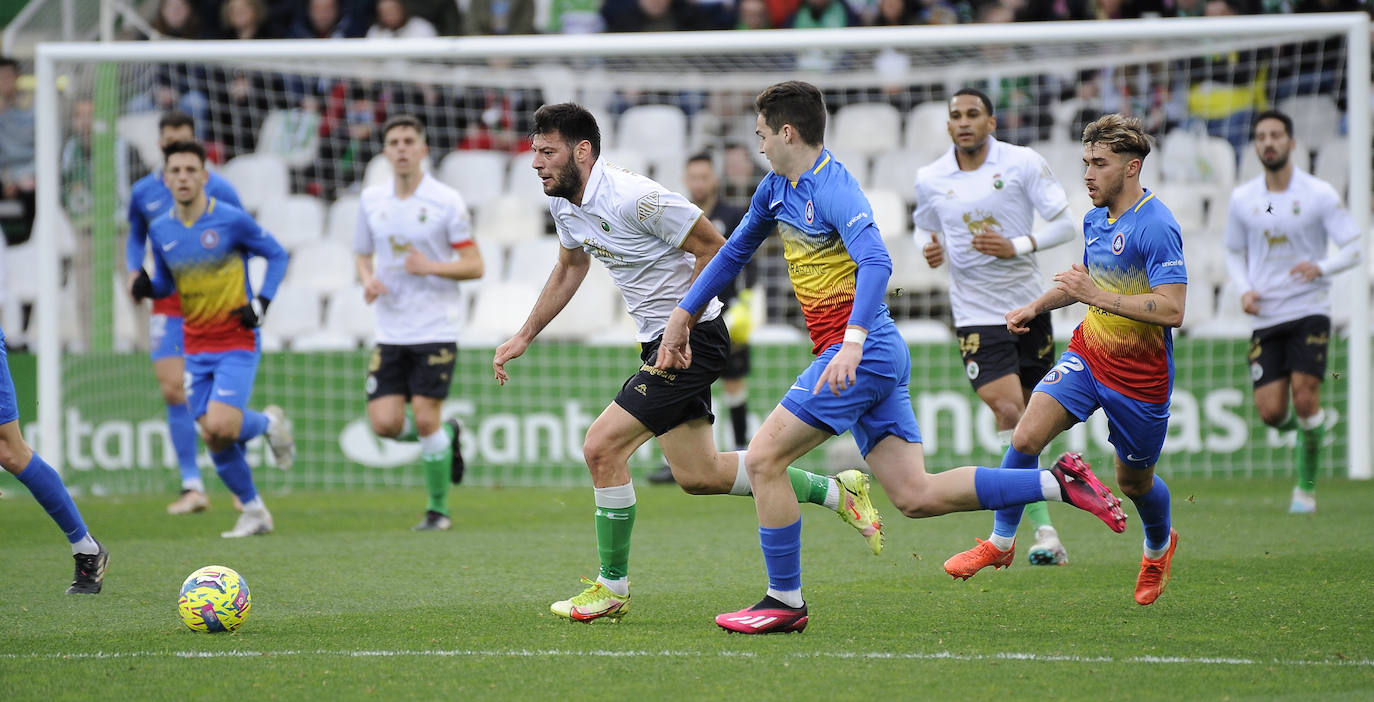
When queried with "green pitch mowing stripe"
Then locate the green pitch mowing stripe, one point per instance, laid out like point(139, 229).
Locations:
point(348, 602)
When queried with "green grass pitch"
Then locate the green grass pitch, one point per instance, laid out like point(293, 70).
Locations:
point(348, 603)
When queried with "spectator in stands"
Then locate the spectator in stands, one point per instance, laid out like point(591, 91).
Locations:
point(347, 142)
point(1183, 8)
point(16, 145)
point(648, 15)
point(325, 19)
point(78, 192)
point(753, 14)
point(443, 14)
point(893, 13)
point(822, 14)
point(498, 118)
point(177, 19)
point(1054, 10)
point(246, 19)
point(394, 21)
point(499, 17)
point(946, 11)
point(740, 174)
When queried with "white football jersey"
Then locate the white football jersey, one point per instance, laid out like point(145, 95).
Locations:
point(634, 226)
point(416, 309)
point(1276, 231)
point(1002, 195)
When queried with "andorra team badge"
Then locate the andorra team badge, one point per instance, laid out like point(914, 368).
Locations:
point(810, 212)
point(209, 238)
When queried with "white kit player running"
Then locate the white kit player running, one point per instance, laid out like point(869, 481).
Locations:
point(975, 208)
point(1277, 231)
point(654, 242)
point(420, 234)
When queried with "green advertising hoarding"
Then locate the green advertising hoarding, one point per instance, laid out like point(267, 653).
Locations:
point(530, 431)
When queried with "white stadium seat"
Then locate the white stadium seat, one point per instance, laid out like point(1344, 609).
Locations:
point(658, 132)
point(866, 129)
point(479, 176)
point(896, 171)
point(295, 220)
point(343, 220)
point(349, 314)
point(628, 159)
point(531, 261)
point(293, 135)
point(890, 213)
point(523, 183)
point(500, 310)
point(323, 266)
point(1333, 164)
point(1316, 119)
point(926, 131)
point(590, 311)
point(508, 219)
point(140, 130)
point(295, 312)
point(258, 178)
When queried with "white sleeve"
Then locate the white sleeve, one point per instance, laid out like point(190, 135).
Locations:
point(362, 233)
point(925, 217)
point(1044, 190)
point(1058, 230)
point(459, 224)
point(1237, 245)
point(1340, 228)
point(662, 213)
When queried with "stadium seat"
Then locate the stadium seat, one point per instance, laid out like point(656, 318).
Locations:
point(295, 220)
point(499, 312)
point(890, 213)
point(71, 332)
point(630, 160)
point(1230, 321)
point(1333, 164)
point(258, 178)
point(295, 313)
point(1200, 307)
point(127, 336)
point(522, 182)
point(531, 261)
point(21, 279)
point(479, 176)
point(343, 220)
point(347, 313)
point(1316, 119)
point(590, 311)
point(1345, 289)
point(1206, 163)
point(926, 131)
point(896, 170)
point(1187, 207)
point(323, 266)
point(865, 129)
point(658, 132)
point(293, 135)
point(1065, 160)
point(140, 131)
point(910, 272)
point(378, 170)
point(509, 219)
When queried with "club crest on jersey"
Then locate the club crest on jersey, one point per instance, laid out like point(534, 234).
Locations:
point(209, 238)
point(810, 212)
point(1118, 243)
point(997, 181)
point(1296, 209)
point(424, 214)
point(605, 226)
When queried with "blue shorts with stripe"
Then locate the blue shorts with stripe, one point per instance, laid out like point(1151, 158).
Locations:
point(165, 337)
point(9, 402)
point(225, 376)
point(877, 405)
point(1135, 429)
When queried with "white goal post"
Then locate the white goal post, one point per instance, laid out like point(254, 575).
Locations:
point(1102, 37)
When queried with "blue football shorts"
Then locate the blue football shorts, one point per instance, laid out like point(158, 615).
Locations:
point(164, 337)
point(877, 405)
point(1135, 429)
point(225, 376)
point(9, 403)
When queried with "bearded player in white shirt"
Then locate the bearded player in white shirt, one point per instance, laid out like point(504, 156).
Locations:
point(1277, 230)
point(975, 208)
point(419, 233)
point(654, 242)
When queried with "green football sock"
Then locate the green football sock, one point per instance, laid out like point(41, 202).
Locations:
point(437, 470)
point(1289, 424)
point(613, 527)
point(408, 432)
point(808, 486)
point(1309, 444)
point(1038, 513)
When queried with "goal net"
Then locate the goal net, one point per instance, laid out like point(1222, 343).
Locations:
point(295, 127)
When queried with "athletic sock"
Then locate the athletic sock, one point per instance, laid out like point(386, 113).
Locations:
point(1289, 424)
point(620, 586)
point(1005, 487)
point(1006, 520)
point(235, 473)
point(615, 521)
point(47, 487)
point(254, 424)
point(1153, 508)
point(782, 559)
point(1311, 431)
point(194, 484)
point(86, 545)
point(739, 416)
point(436, 453)
point(408, 431)
point(809, 487)
point(182, 428)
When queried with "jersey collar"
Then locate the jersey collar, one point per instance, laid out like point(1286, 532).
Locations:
point(951, 162)
point(823, 161)
point(594, 181)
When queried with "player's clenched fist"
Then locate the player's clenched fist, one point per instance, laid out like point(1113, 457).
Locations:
point(933, 251)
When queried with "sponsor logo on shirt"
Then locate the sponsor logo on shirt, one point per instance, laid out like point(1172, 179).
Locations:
point(853, 219)
point(153, 205)
point(1175, 262)
point(648, 207)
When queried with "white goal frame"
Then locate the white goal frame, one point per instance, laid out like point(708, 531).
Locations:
point(1355, 27)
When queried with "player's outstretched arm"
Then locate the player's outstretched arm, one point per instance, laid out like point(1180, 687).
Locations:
point(562, 284)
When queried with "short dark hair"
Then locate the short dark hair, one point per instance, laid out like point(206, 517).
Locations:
point(175, 118)
point(184, 147)
point(404, 120)
point(1272, 114)
point(7, 62)
point(574, 122)
point(982, 97)
point(797, 103)
point(701, 156)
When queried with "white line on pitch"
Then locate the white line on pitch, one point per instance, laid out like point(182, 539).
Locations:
point(551, 653)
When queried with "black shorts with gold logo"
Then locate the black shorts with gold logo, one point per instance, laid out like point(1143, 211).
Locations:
point(411, 369)
point(991, 352)
point(1299, 345)
point(664, 399)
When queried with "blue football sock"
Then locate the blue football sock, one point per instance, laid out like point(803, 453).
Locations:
point(235, 473)
point(1153, 508)
point(254, 424)
point(1005, 487)
point(1006, 520)
point(183, 430)
point(46, 486)
point(782, 556)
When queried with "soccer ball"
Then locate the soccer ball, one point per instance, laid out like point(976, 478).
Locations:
point(214, 598)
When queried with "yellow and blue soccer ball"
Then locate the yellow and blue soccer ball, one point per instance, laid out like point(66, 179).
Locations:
point(214, 598)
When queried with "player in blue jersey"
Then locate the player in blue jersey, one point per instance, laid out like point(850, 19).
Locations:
point(858, 382)
point(150, 198)
point(200, 249)
point(47, 487)
point(1121, 357)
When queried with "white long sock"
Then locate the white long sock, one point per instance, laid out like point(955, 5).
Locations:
point(86, 545)
point(832, 495)
point(741, 486)
point(791, 598)
point(434, 443)
point(1310, 423)
point(255, 503)
point(194, 484)
point(1049, 487)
